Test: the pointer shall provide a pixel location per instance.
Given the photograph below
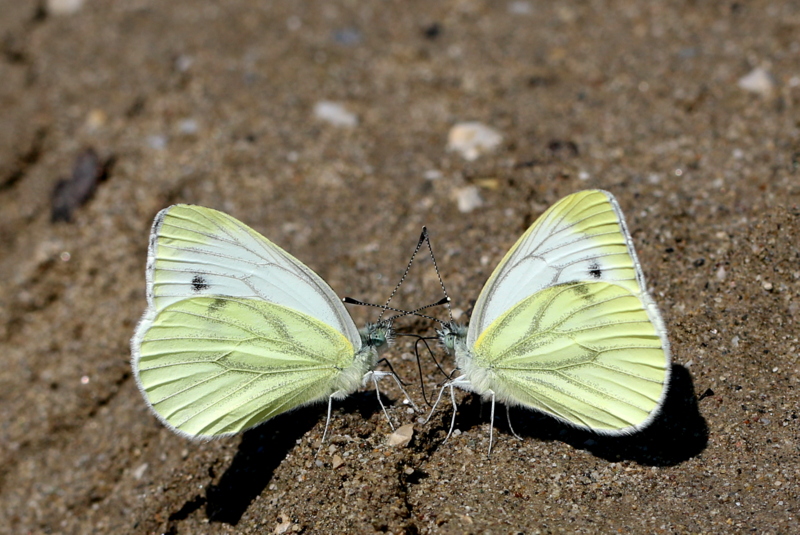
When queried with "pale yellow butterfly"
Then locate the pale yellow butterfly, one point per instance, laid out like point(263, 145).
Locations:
point(565, 325)
point(238, 331)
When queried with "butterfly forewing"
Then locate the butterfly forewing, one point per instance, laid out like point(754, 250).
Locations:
point(218, 365)
point(580, 238)
point(585, 352)
point(196, 251)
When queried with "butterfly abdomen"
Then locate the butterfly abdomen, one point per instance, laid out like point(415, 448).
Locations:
point(352, 377)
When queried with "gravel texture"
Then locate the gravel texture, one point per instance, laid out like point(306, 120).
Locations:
point(213, 104)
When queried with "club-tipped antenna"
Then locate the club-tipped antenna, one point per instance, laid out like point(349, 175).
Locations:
point(422, 237)
point(400, 312)
point(436, 268)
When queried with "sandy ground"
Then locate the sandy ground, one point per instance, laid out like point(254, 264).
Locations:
point(198, 103)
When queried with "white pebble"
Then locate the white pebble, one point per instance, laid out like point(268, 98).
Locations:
point(157, 142)
point(759, 81)
point(63, 7)
point(432, 174)
point(520, 8)
point(402, 436)
point(294, 23)
point(183, 63)
point(473, 139)
point(188, 127)
point(468, 199)
point(139, 472)
point(335, 114)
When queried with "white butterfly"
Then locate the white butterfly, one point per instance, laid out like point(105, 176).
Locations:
point(565, 325)
point(238, 331)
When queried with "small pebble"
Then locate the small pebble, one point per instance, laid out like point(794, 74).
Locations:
point(468, 199)
point(183, 63)
point(71, 193)
point(139, 472)
point(96, 119)
point(767, 286)
point(337, 462)
point(473, 139)
point(284, 524)
point(488, 183)
point(758, 81)
point(335, 114)
point(188, 127)
point(520, 8)
point(402, 436)
point(294, 23)
point(157, 142)
point(348, 36)
point(64, 7)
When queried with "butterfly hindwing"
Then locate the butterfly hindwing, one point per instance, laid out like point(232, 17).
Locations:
point(585, 352)
point(217, 365)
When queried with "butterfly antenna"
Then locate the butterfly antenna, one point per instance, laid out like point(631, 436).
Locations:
point(416, 312)
point(423, 236)
point(400, 312)
point(436, 268)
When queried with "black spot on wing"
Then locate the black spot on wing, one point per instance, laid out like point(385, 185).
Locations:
point(199, 284)
point(594, 270)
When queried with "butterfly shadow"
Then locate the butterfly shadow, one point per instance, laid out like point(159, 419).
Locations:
point(677, 434)
point(262, 450)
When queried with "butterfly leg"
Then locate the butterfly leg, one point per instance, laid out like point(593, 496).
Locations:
point(399, 385)
point(455, 409)
point(508, 417)
point(491, 425)
point(436, 404)
point(327, 422)
point(374, 376)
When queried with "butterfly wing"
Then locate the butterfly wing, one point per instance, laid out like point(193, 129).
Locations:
point(584, 352)
point(236, 330)
point(212, 366)
point(196, 251)
point(582, 237)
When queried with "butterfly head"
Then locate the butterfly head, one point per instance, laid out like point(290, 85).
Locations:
point(378, 335)
point(451, 333)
